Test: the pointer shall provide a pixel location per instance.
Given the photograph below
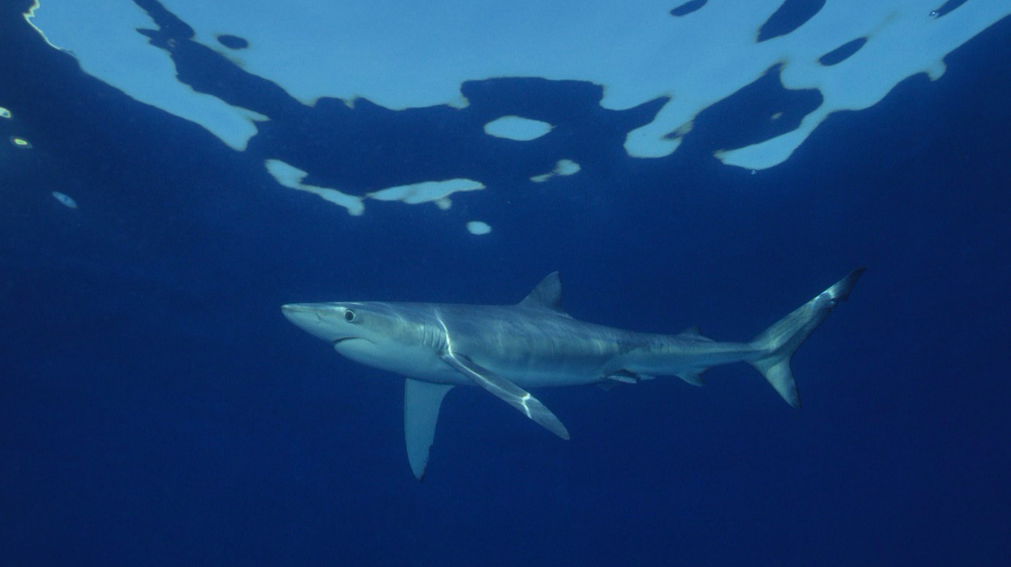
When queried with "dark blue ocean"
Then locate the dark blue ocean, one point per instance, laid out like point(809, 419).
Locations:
point(156, 408)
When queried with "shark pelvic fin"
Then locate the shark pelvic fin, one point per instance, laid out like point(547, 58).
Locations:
point(626, 377)
point(421, 412)
point(547, 294)
point(508, 392)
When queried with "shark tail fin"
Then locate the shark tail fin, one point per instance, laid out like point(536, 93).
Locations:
point(775, 346)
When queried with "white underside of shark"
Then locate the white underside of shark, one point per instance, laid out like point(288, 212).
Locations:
point(508, 349)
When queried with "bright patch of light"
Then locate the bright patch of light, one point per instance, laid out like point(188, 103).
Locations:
point(478, 227)
point(563, 167)
point(292, 177)
point(65, 200)
point(103, 37)
point(437, 192)
point(517, 128)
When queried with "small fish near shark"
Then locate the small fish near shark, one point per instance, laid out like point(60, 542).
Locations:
point(508, 349)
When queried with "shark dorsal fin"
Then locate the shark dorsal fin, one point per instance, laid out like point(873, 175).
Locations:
point(547, 294)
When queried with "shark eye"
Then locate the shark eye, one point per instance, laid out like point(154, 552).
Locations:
point(349, 316)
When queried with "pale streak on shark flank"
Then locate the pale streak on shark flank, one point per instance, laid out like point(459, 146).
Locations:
point(508, 348)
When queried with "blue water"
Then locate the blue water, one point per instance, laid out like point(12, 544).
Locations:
point(157, 409)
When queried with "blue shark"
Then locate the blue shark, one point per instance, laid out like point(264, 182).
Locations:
point(509, 349)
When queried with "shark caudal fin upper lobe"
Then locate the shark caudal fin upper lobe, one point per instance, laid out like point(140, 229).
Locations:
point(778, 343)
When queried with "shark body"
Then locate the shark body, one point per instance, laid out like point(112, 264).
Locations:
point(506, 349)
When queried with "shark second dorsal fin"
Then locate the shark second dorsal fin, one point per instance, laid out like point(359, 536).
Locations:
point(547, 294)
point(693, 333)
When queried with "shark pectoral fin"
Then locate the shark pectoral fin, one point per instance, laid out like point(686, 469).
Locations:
point(508, 392)
point(421, 412)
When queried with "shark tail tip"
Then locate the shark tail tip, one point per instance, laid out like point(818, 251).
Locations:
point(779, 342)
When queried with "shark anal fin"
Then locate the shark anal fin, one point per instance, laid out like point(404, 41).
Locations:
point(693, 376)
point(421, 412)
point(623, 377)
point(508, 392)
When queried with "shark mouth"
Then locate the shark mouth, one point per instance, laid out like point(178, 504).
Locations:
point(343, 339)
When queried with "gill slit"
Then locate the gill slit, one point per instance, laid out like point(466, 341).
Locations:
point(445, 333)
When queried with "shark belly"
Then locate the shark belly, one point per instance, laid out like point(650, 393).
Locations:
point(419, 362)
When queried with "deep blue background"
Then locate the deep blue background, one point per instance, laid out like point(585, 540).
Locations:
point(156, 408)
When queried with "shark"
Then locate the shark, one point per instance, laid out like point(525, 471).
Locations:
point(508, 350)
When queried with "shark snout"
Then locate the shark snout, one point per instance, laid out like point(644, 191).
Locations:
point(311, 318)
point(332, 322)
point(298, 313)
